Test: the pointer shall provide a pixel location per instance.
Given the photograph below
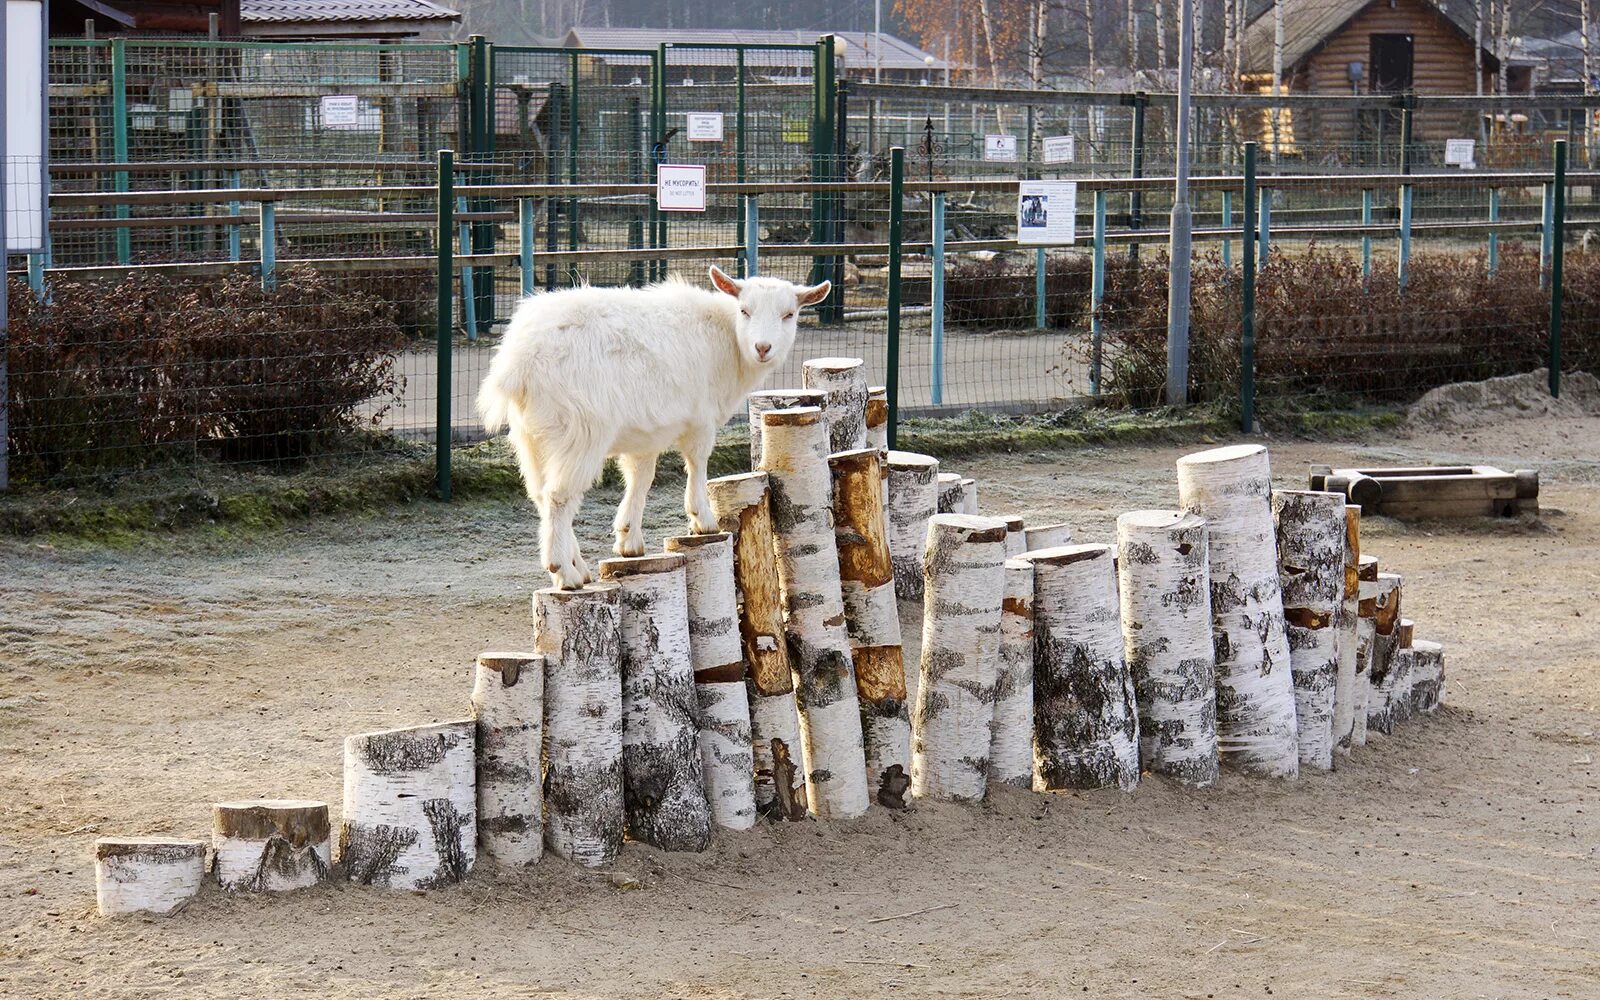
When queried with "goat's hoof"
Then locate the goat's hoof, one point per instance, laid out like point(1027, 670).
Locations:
point(699, 527)
point(628, 547)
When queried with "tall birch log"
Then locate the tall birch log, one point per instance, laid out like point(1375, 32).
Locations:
point(1165, 593)
point(963, 593)
point(410, 806)
point(146, 874)
point(1011, 745)
point(1311, 537)
point(663, 785)
point(270, 845)
point(1366, 613)
point(1016, 537)
point(1344, 693)
point(743, 506)
point(878, 417)
point(969, 496)
point(1427, 693)
point(1047, 536)
point(913, 498)
point(717, 657)
point(766, 400)
point(844, 380)
point(1231, 488)
point(950, 493)
point(795, 458)
point(872, 620)
point(508, 704)
point(579, 633)
point(1086, 730)
point(1386, 617)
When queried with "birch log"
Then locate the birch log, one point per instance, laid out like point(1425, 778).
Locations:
point(1344, 692)
point(1386, 618)
point(969, 496)
point(1086, 732)
point(508, 704)
point(765, 400)
point(795, 459)
point(1427, 693)
point(1311, 536)
point(872, 620)
point(742, 505)
point(270, 845)
point(950, 493)
point(719, 678)
point(1231, 488)
point(913, 498)
point(663, 785)
point(1011, 745)
point(1404, 670)
point(878, 417)
point(1165, 594)
point(579, 633)
point(1366, 612)
point(1016, 537)
point(410, 806)
point(1047, 536)
point(963, 592)
point(844, 380)
point(146, 874)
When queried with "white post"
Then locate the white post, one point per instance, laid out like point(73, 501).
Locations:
point(878, 417)
point(1011, 747)
point(147, 874)
point(766, 400)
point(1047, 536)
point(913, 498)
point(844, 380)
point(1016, 537)
point(270, 845)
point(1311, 537)
point(950, 493)
point(1385, 594)
point(1428, 661)
point(508, 704)
point(410, 806)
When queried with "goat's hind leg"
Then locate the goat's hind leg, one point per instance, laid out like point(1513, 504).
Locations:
point(570, 468)
point(638, 472)
point(528, 461)
point(696, 448)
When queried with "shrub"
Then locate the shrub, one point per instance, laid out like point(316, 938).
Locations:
point(999, 293)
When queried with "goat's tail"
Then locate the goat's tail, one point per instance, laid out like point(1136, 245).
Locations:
point(496, 397)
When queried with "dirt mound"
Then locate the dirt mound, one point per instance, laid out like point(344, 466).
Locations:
point(1495, 400)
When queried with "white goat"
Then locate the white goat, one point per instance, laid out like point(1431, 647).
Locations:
point(589, 373)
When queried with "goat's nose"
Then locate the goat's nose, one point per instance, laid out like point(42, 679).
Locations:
point(762, 350)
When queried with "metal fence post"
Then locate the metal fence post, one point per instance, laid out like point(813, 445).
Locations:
point(1557, 251)
point(482, 232)
point(658, 152)
point(1097, 291)
point(1247, 312)
point(527, 242)
point(1546, 227)
point(269, 244)
point(752, 235)
point(1405, 234)
point(824, 96)
point(739, 225)
point(469, 292)
point(235, 250)
point(897, 178)
point(1366, 238)
point(1494, 237)
point(1136, 199)
point(444, 383)
point(572, 166)
point(937, 296)
point(1264, 223)
point(1040, 316)
point(119, 138)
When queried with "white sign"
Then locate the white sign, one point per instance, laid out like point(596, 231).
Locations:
point(1059, 149)
point(24, 173)
point(341, 111)
point(1000, 148)
point(1047, 212)
point(681, 187)
point(705, 126)
point(1459, 152)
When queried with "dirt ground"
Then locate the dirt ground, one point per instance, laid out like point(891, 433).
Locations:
point(1457, 859)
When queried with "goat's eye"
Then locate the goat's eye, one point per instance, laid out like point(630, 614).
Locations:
point(788, 316)
point(745, 313)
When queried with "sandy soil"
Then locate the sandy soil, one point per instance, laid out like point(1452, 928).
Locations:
point(1456, 859)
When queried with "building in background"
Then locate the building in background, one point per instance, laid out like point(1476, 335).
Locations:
point(862, 54)
point(287, 20)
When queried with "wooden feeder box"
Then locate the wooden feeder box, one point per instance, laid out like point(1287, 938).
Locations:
point(1419, 493)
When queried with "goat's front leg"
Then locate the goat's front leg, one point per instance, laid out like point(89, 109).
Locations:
point(638, 472)
point(696, 447)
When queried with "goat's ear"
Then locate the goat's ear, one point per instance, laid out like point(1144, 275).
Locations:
point(816, 293)
point(723, 283)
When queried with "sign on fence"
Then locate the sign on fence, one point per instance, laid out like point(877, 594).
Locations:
point(341, 111)
point(681, 187)
point(1459, 153)
point(705, 126)
point(1059, 149)
point(1000, 148)
point(24, 149)
point(1047, 212)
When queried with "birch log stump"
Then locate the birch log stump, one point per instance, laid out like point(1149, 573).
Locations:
point(410, 806)
point(1385, 592)
point(146, 874)
point(878, 417)
point(766, 400)
point(1311, 537)
point(270, 845)
point(1231, 488)
point(950, 493)
point(1011, 745)
point(963, 593)
point(508, 704)
point(1165, 593)
point(1016, 537)
point(969, 496)
point(719, 678)
point(1047, 536)
point(795, 459)
point(742, 505)
point(579, 633)
point(1427, 694)
point(844, 381)
point(663, 784)
point(872, 620)
point(1086, 731)
point(1404, 670)
point(1366, 615)
point(913, 498)
point(1344, 692)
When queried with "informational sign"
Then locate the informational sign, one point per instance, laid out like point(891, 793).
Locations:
point(681, 187)
point(341, 111)
point(1047, 212)
point(1059, 149)
point(1000, 148)
point(705, 126)
point(24, 167)
point(1459, 152)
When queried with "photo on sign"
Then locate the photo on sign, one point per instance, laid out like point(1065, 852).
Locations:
point(1035, 211)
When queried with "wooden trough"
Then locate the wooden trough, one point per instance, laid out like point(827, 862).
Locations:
point(1417, 493)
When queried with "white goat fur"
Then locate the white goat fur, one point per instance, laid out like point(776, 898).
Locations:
point(589, 373)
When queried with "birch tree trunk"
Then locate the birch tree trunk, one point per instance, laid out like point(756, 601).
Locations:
point(878, 417)
point(410, 806)
point(508, 704)
point(270, 845)
point(579, 633)
point(1086, 731)
point(844, 381)
point(872, 620)
point(663, 785)
point(1047, 536)
point(795, 458)
point(717, 658)
point(1231, 488)
point(147, 874)
point(950, 493)
point(964, 589)
point(1161, 37)
point(767, 400)
point(1016, 537)
point(1386, 617)
point(1311, 537)
point(1165, 592)
point(1088, 33)
point(913, 498)
point(742, 505)
point(1277, 76)
point(1344, 689)
point(1427, 693)
point(1011, 746)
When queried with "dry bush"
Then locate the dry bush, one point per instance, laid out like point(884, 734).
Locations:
point(999, 293)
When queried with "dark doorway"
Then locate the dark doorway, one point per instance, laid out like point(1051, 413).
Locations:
point(1391, 63)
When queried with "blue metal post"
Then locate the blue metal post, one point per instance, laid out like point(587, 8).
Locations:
point(1227, 223)
point(752, 236)
point(1494, 237)
point(527, 243)
point(1097, 292)
point(1040, 319)
point(1366, 238)
point(269, 245)
point(235, 249)
point(119, 139)
point(1546, 228)
point(36, 266)
point(937, 294)
point(469, 298)
point(1405, 233)
point(1264, 210)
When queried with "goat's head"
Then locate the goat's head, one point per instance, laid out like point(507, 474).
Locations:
point(768, 308)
